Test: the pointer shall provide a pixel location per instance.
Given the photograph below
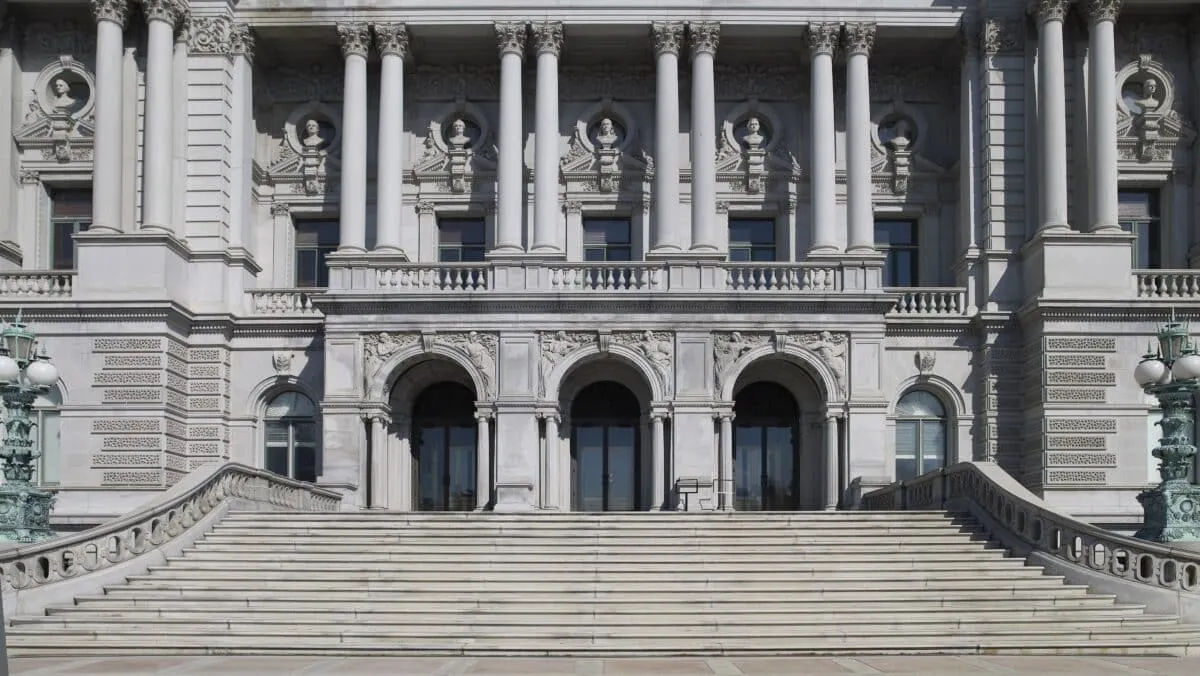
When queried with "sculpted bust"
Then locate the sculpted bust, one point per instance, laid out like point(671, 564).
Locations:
point(754, 137)
point(607, 135)
point(458, 134)
point(1149, 102)
point(312, 139)
point(63, 101)
point(901, 135)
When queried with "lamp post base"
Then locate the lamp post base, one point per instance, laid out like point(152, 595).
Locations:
point(1172, 512)
point(25, 513)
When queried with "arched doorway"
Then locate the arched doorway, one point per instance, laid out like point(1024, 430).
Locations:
point(606, 463)
point(766, 443)
point(444, 448)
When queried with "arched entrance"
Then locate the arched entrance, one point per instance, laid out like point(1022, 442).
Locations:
point(606, 463)
point(444, 448)
point(766, 445)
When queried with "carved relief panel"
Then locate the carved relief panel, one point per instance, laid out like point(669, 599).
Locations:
point(1153, 122)
point(58, 126)
point(299, 107)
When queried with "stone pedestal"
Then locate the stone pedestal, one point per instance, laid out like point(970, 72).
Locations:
point(1172, 513)
point(1071, 265)
point(25, 513)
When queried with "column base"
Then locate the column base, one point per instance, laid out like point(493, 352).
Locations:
point(505, 252)
point(393, 252)
point(1105, 227)
point(666, 251)
point(1171, 513)
point(1054, 228)
point(822, 250)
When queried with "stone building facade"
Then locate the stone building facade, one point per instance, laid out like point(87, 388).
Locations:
point(598, 256)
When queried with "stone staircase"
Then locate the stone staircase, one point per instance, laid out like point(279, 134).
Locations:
point(373, 583)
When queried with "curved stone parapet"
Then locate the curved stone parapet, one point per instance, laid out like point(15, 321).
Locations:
point(1165, 578)
point(55, 571)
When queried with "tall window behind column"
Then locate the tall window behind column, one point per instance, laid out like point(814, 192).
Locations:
point(70, 213)
point(290, 437)
point(897, 241)
point(315, 239)
point(1139, 214)
point(751, 239)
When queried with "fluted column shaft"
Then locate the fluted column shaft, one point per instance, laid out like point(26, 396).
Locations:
point(665, 238)
point(725, 463)
point(483, 462)
point(1102, 113)
point(658, 449)
point(158, 128)
point(553, 471)
point(1052, 114)
point(107, 173)
point(705, 236)
point(392, 42)
point(860, 213)
point(547, 222)
point(831, 462)
point(510, 179)
point(356, 44)
point(822, 39)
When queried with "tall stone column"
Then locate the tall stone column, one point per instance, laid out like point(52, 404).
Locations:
point(356, 44)
point(379, 479)
point(664, 236)
point(1052, 114)
point(179, 122)
point(1102, 113)
point(860, 213)
point(725, 464)
point(552, 490)
point(510, 172)
point(242, 135)
point(704, 38)
point(392, 42)
point(107, 173)
point(969, 127)
point(158, 127)
point(658, 450)
point(831, 462)
point(483, 461)
point(822, 40)
point(547, 224)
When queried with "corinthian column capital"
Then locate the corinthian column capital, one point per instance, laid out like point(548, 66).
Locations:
point(162, 10)
point(392, 38)
point(1101, 10)
point(823, 37)
point(510, 37)
point(355, 37)
point(1049, 10)
point(548, 37)
point(668, 36)
point(704, 36)
point(860, 38)
point(116, 11)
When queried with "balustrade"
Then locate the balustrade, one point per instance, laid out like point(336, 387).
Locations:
point(1167, 283)
point(37, 284)
point(435, 277)
point(283, 302)
point(938, 301)
point(781, 277)
point(607, 277)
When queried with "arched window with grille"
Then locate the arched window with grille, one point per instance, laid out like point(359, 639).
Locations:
point(290, 437)
point(920, 434)
point(46, 416)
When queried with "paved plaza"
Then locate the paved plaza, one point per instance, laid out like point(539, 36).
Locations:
point(766, 666)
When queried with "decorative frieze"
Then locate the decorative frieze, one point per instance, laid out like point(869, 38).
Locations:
point(740, 82)
point(604, 81)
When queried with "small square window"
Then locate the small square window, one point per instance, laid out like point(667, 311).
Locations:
point(315, 239)
point(897, 240)
point(607, 239)
point(752, 240)
point(70, 213)
point(460, 240)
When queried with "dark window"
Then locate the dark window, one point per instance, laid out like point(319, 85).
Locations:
point(1139, 214)
point(460, 240)
point(607, 239)
point(314, 241)
point(70, 212)
point(897, 241)
point(752, 239)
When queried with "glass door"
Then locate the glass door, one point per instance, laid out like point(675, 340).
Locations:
point(606, 468)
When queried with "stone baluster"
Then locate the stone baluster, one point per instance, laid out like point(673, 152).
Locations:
point(704, 39)
point(510, 174)
point(822, 40)
point(356, 45)
point(392, 42)
point(161, 16)
point(664, 236)
point(1052, 114)
point(1102, 113)
point(107, 173)
point(860, 214)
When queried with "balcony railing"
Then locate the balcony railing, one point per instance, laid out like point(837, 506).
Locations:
point(1167, 283)
point(37, 284)
point(781, 277)
point(607, 277)
point(284, 302)
point(452, 277)
point(929, 301)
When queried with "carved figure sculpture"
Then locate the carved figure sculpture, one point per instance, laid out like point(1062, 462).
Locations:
point(458, 134)
point(312, 135)
point(754, 137)
point(607, 136)
point(832, 352)
point(1149, 101)
point(902, 135)
point(558, 346)
point(657, 351)
point(63, 101)
point(481, 357)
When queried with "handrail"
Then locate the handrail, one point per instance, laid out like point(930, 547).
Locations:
point(156, 524)
point(1028, 524)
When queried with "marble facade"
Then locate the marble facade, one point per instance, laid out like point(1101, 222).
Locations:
point(215, 139)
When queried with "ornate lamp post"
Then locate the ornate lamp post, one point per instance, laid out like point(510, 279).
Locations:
point(24, 374)
point(1172, 373)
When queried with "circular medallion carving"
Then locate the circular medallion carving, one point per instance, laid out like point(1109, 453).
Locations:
point(607, 131)
point(1145, 87)
point(65, 87)
point(461, 132)
point(313, 126)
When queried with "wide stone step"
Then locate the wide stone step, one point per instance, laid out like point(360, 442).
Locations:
point(581, 615)
point(614, 537)
point(665, 549)
point(567, 531)
point(197, 561)
point(590, 593)
point(663, 552)
point(682, 518)
point(643, 604)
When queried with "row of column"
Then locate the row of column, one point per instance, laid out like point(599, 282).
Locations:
point(1102, 114)
point(666, 237)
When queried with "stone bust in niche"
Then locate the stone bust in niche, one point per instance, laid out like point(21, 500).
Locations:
point(754, 138)
point(606, 135)
point(458, 138)
point(1148, 103)
point(901, 135)
point(63, 101)
point(312, 139)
